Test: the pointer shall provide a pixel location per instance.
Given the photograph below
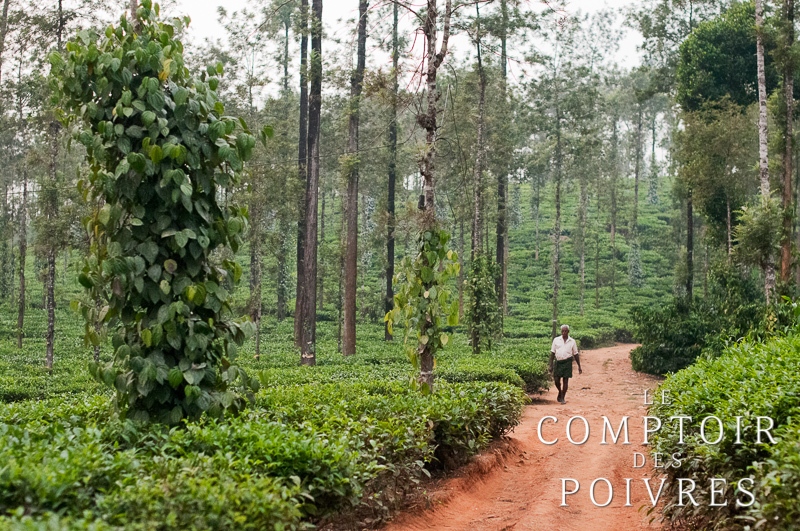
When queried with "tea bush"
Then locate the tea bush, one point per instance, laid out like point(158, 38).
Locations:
point(316, 440)
point(750, 379)
point(305, 449)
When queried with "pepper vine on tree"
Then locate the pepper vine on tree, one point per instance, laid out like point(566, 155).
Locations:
point(160, 150)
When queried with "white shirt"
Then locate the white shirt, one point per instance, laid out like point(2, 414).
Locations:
point(564, 350)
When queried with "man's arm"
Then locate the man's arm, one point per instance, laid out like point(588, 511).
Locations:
point(552, 357)
point(578, 359)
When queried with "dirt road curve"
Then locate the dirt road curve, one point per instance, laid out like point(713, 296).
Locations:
point(523, 492)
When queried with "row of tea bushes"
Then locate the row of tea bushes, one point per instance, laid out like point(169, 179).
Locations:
point(301, 452)
point(749, 380)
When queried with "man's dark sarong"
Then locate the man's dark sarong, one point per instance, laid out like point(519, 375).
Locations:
point(563, 368)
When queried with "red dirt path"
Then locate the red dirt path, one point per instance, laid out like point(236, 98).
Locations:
point(522, 489)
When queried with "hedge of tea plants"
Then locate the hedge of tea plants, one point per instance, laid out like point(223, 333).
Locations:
point(751, 379)
point(348, 433)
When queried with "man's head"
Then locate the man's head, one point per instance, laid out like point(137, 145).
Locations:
point(565, 331)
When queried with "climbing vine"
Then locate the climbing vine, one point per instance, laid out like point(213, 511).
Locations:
point(160, 150)
point(422, 302)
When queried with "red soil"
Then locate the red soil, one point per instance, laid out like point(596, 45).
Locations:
point(519, 487)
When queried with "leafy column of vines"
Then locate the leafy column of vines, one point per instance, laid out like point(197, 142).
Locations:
point(160, 150)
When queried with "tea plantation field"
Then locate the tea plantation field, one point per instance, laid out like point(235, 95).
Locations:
point(317, 441)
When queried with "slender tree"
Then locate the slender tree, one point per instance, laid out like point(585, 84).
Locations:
point(501, 248)
point(763, 135)
point(427, 119)
point(308, 339)
point(23, 212)
point(392, 174)
point(788, 95)
point(302, 174)
point(476, 313)
point(351, 249)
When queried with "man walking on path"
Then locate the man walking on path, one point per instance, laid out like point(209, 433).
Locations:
point(564, 350)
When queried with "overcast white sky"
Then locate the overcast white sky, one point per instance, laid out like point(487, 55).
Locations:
point(204, 18)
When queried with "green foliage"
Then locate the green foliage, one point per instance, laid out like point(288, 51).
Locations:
point(718, 58)
point(758, 233)
point(160, 148)
point(673, 336)
point(482, 311)
point(751, 379)
point(422, 299)
point(304, 449)
point(779, 483)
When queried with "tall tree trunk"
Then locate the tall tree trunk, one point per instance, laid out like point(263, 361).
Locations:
point(730, 234)
point(427, 162)
point(796, 213)
point(557, 226)
point(788, 95)
point(652, 194)
point(636, 173)
point(614, 169)
point(582, 208)
point(302, 174)
point(461, 270)
point(705, 268)
point(597, 267)
point(23, 251)
point(689, 246)
point(256, 273)
point(535, 207)
point(23, 211)
point(340, 292)
point(351, 250)
point(282, 280)
point(501, 248)
point(309, 308)
point(763, 133)
point(390, 222)
point(323, 268)
point(52, 213)
point(477, 188)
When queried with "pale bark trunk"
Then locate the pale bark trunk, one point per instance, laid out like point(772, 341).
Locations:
point(351, 251)
point(788, 94)
point(323, 268)
point(763, 134)
point(283, 223)
point(535, 208)
point(614, 169)
point(582, 207)
point(52, 213)
point(730, 234)
point(636, 173)
point(557, 226)
point(689, 246)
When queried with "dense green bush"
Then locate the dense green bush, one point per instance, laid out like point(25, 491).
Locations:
point(304, 449)
point(779, 483)
point(673, 336)
point(750, 379)
point(160, 148)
